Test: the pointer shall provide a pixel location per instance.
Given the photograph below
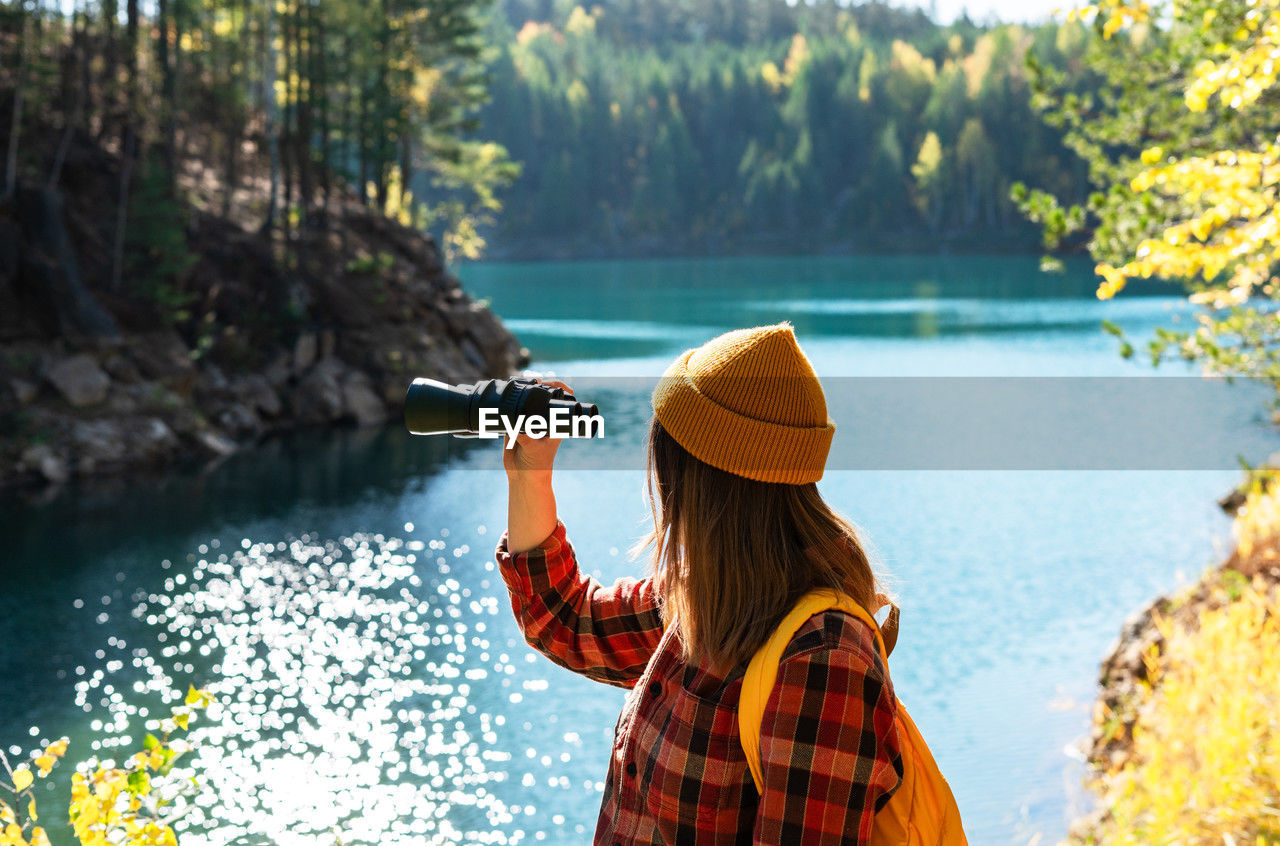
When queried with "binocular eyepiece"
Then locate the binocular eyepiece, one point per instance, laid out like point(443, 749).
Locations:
point(491, 407)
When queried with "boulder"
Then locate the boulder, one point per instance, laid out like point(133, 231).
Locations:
point(213, 442)
point(163, 356)
point(42, 460)
point(304, 351)
point(328, 343)
point(80, 380)
point(97, 443)
point(502, 352)
point(361, 400)
point(23, 391)
point(122, 400)
point(186, 422)
point(446, 363)
point(256, 392)
point(121, 369)
point(318, 397)
point(213, 379)
point(146, 395)
point(277, 372)
point(151, 439)
point(457, 315)
point(239, 420)
point(473, 354)
point(212, 389)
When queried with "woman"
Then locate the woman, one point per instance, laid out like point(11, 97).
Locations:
point(740, 436)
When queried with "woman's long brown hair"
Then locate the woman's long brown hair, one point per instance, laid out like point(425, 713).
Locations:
point(732, 555)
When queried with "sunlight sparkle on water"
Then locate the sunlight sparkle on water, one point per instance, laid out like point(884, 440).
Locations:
point(345, 690)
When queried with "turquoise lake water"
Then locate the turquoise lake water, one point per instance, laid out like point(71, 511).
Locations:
point(337, 591)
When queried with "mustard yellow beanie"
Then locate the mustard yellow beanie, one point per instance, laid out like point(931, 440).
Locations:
point(749, 403)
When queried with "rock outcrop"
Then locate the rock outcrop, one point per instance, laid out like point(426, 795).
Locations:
point(96, 380)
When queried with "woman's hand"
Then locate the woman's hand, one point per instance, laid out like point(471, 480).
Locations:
point(536, 455)
point(531, 503)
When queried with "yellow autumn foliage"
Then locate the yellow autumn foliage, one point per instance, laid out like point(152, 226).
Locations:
point(797, 58)
point(1229, 240)
point(1257, 523)
point(1205, 761)
point(1205, 767)
point(110, 805)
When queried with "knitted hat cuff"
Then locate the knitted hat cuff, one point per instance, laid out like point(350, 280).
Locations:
point(729, 441)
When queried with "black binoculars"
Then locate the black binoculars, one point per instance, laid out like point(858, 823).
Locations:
point(491, 407)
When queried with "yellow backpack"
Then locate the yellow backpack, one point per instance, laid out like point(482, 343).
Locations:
point(922, 812)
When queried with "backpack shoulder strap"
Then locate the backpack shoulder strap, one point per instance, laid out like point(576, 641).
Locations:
point(762, 672)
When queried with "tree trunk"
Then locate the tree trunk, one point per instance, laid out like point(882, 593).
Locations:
point(172, 85)
point(164, 25)
point(122, 210)
point(110, 10)
point(229, 174)
point(322, 79)
point(51, 272)
point(382, 113)
point(406, 166)
point(364, 147)
point(15, 130)
point(232, 123)
point(287, 122)
point(73, 120)
point(131, 74)
point(305, 127)
point(271, 129)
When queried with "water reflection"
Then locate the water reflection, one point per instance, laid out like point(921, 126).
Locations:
point(311, 468)
point(356, 696)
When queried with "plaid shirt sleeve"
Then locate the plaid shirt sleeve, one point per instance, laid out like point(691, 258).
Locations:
point(830, 746)
point(605, 633)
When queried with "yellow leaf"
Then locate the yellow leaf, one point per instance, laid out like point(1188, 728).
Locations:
point(193, 695)
point(6, 813)
point(13, 835)
point(45, 763)
point(38, 837)
point(88, 814)
point(22, 778)
point(182, 720)
point(31, 810)
point(57, 749)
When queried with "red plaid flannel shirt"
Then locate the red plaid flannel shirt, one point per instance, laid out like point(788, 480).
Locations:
point(677, 773)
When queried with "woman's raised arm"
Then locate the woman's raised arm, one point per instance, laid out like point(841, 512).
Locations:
point(605, 633)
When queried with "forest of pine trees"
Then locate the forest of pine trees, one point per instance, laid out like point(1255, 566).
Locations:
point(276, 103)
point(544, 126)
point(760, 125)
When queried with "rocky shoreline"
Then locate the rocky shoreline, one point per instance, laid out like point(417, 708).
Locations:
point(74, 407)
